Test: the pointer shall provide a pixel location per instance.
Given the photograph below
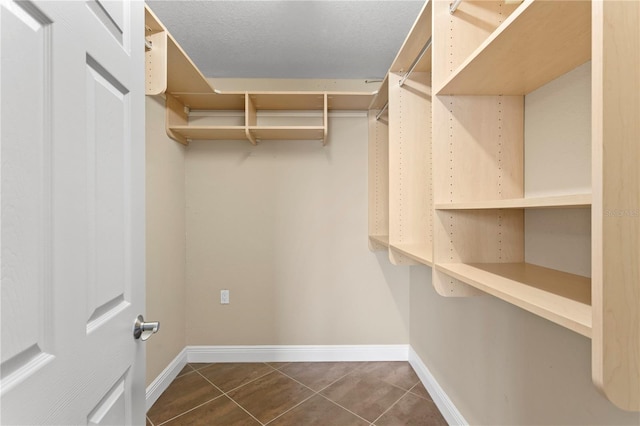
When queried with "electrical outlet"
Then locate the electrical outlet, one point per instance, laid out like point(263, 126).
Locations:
point(224, 297)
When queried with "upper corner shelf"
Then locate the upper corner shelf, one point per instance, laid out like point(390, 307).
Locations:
point(540, 41)
point(182, 76)
point(170, 71)
point(416, 42)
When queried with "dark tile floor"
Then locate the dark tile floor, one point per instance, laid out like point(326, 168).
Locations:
point(296, 394)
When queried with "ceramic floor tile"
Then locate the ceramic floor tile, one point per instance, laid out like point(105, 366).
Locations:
point(278, 365)
point(228, 376)
point(184, 393)
point(397, 373)
point(364, 395)
point(187, 369)
point(199, 365)
point(221, 411)
point(270, 396)
point(318, 375)
point(412, 410)
point(318, 411)
point(148, 422)
point(420, 391)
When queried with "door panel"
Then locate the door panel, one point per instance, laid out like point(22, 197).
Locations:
point(26, 193)
point(72, 224)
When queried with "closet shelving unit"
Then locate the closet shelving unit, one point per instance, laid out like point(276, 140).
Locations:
point(485, 58)
point(234, 115)
point(400, 153)
point(379, 169)
point(481, 76)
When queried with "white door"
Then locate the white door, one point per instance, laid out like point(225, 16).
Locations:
point(72, 224)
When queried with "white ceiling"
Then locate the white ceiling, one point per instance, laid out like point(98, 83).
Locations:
point(325, 39)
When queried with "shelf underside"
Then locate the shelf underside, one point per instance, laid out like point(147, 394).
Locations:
point(288, 132)
point(562, 201)
point(259, 132)
point(539, 42)
point(211, 132)
point(380, 239)
point(557, 296)
point(421, 253)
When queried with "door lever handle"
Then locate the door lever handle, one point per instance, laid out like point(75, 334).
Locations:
point(143, 330)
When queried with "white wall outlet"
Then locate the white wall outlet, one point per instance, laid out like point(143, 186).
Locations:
point(224, 297)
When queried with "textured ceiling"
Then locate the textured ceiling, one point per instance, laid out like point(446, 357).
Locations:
point(324, 39)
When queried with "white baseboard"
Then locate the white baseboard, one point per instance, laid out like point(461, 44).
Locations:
point(302, 353)
point(445, 405)
point(306, 353)
point(164, 379)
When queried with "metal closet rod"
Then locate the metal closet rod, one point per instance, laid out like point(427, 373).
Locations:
point(384, 108)
point(454, 6)
point(415, 62)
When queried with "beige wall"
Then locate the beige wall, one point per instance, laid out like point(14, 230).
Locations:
point(165, 241)
point(499, 364)
point(283, 226)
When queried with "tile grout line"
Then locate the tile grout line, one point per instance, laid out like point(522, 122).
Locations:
point(344, 408)
point(420, 396)
point(237, 387)
point(354, 370)
point(149, 420)
point(390, 407)
point(312, 395)
point(189, 410)
point(297, 405)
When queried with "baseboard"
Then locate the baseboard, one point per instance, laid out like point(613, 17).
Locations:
point(301, 353)
point(306, 353)
point(164, 379)
point(441, 399)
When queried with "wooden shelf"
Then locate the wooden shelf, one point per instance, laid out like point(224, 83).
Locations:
point(557, 296)
point(182, 74)
point(287, 132)
point(287, 100)
point(421, 253)
point(349, 101)
point(382, 97)
point(563, 201)
point(380, 239)
point(229, 101)
point(211, 132)
point(413, 44)
point(538, 42)
point(170, 71)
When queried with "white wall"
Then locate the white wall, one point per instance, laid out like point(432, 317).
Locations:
point(283, 226)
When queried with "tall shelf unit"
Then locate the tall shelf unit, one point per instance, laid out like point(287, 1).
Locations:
point(231, 115)
point(457, 196)
point(400, 153)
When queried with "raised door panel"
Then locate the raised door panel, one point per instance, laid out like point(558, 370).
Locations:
point(26, 192)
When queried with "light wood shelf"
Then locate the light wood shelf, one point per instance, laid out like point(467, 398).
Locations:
point(378, 178)
point(381, 241)
point(557, 296)
point(287, 132)
point(227, 101)
point(538, 42)
point(562, 201)
point(382, 96)
point(288, 100)
point(418, 37)
point(211, 132)
point(421, 253)
point(170, 71)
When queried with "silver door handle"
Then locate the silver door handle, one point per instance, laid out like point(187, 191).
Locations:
point(143, 330)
